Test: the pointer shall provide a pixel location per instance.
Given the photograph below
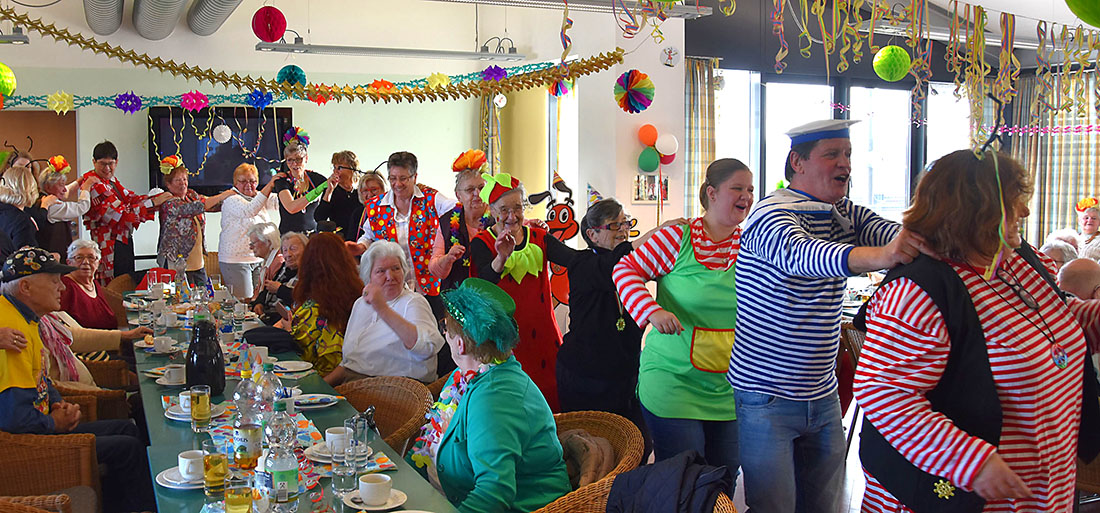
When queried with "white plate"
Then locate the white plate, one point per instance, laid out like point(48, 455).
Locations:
point(162, 381)
point(320, 453)
point(397, 498)
point(171, 350)
point(314, 406)
point(162, 479)
point(293, 366)
point(141, 344)
point(174, 412)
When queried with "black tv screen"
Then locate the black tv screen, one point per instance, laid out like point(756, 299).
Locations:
point(211, 164)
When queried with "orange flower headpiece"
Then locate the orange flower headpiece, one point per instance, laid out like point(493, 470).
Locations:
point(167, 164)
point(470, 159)
point(1086, 203)
point(59, 164)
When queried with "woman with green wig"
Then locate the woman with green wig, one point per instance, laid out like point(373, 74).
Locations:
point(491, 443)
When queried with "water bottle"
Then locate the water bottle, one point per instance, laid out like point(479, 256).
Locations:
point(268, 391)
point(281, 466)
point(247, 430)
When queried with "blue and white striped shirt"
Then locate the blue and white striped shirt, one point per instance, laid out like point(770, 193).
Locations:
point(791, 276)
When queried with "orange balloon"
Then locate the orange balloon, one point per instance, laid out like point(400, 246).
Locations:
point(648, 135)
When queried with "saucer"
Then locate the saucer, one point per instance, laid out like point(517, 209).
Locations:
point(171, 350)
point(314, 401)
point(320, 453)
point(171, 478)
point(293, 366)
point(174, 412)
point(141, 344)
point(163, 381)
point(397, 498)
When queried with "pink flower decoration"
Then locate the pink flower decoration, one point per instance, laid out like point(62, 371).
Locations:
point(194, 101)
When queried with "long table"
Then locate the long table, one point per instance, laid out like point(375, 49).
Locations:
point(168, 438)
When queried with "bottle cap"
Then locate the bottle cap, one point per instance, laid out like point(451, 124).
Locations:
point(269, 367)
point(280, 406)
point(246, 373)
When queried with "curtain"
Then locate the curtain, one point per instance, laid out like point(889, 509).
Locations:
point(490, 133)
point(699, 121)
point(1057, 149)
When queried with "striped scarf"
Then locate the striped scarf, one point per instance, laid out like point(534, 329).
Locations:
point(57, 338)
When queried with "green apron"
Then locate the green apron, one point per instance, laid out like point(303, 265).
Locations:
point(684, 376)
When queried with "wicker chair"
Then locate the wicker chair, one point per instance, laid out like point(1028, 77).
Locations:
point(624, 436)
point(592, 498)
point(15, 507)
point(436, 387)
point(109, 404)
point(43, 464)
point(57, 503)
point(400, 405)
point(114, 374)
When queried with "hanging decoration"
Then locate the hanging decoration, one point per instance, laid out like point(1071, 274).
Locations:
point(921, 67)
point(561, 87)
point(729, 9)
point(566, 41)
point(500, 100)
point(222, 134)
point(381, 86)
point(976, 71)
point(258, 99)
point(634, 91)
point(1008, 66)
point(493, 73)
point(438, 81)
point(1, 102)
point(194, 101)
point(7, 80)
point(667, 146)
point(60, 102)
point(891, 63)
point(269, 24)
point(292, 75)
point(647, 135)
point(128, 102)
point(777, 30)
point(649, 160)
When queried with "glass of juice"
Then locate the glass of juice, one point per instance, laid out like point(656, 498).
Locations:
point(215, 468)
point(200, 408)
point(238, 494)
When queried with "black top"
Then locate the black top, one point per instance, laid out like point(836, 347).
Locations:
point(461, 268)
point(480, 254)
point(285, 294)
point(344, 209)
point(303, 221)
point(594, 346)
point(18, 225)
point(6, 246)
point(53, 237)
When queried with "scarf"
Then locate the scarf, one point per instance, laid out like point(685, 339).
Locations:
point(426, 447)
point(57, 338)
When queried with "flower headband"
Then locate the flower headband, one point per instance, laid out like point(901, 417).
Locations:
point(470, 159)
point(296, 132)
point(1086, 203)
point(497, 186)
point(167, 164)
point(59, 164)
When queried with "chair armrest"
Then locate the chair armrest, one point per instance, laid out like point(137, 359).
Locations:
point(109, 373)
point(88, 410)
point(42, 464)
point(60, 503)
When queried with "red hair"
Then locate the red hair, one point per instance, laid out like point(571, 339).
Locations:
point(327, 274)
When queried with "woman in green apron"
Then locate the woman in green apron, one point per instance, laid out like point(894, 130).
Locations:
point(687, 403)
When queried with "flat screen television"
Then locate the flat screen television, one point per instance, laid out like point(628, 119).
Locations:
point(211, 164)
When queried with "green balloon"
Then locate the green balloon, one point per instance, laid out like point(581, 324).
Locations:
point(1087, 10)
point(892, 63)
point(7, 80)
point(649, 160)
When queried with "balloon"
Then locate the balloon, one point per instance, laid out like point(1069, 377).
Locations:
point(1087, 10)
point(648, 135)
point(268, 24)
point(667, 159)
point(649, 160)
point(7, 80)
point(222, 134)
point(667, 144)
point(892, 63)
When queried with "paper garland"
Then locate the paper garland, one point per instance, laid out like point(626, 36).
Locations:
point(194, 101)
point(634, 91)
point(128, 102)
point(60, 102)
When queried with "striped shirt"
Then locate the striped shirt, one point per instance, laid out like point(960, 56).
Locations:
point(656, 258)
point(905, 354)
point(791, 276)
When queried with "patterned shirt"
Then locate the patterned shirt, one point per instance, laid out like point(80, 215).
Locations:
point(114, 214)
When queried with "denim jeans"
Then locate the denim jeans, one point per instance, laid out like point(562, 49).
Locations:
point(716, 440)
point(792, 453)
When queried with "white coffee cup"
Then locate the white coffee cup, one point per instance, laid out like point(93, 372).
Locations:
point(156, 290)
point(240, 308)
point(225, 337)
point(185, 401)
point(158, 306)
point(191, 465)
point(257, 354)
point(221, 295)
point(174, 373)
point(163, 344)
point(374, 489)
point(336, 438)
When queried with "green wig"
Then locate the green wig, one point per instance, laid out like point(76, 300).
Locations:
point(485, 312)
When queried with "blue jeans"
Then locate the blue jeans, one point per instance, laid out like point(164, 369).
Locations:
point(792, 453)
point(716, 440)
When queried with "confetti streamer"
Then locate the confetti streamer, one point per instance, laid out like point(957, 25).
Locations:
point(1080, 81)
point(805, 42)
point(727, 10)
point(954, 65)
point(840, 11)
point(976, 71)
point(777, 29)
point(856, 21)
point(566, 41)
point(1008, 67)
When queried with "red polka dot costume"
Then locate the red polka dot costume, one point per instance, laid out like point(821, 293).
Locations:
point(423, 225)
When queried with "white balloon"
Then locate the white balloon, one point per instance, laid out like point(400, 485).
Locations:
point(222, 134)
point(667, 144)
point(500, 101)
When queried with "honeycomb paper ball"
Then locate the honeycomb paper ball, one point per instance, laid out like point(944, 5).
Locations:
point(1087, 10)
point(892, 63)
point(7, 80)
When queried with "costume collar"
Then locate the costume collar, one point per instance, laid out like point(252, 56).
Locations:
point(794, 200)
point(22, 308)
point(387, 200)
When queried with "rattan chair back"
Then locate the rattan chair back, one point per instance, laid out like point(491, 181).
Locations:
point(399, 405)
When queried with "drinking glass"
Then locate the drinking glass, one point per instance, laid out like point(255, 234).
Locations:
point(238, 494)
point(357, 442)
point(215, 466)
point(344, 479)
point(216, 282)
point(160, 324)
point(200, 408)
point(145, 317)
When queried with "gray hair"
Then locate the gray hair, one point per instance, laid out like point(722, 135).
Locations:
point(294, 148)
point(80, 244)
point(266, 232)
point(466, 174)
point(381, 249)
point(48, 178)
point(1068, 253)
point(10, 288)
point(301, 237)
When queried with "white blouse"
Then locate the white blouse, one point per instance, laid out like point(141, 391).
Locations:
point(372, 348)
point(239, 213)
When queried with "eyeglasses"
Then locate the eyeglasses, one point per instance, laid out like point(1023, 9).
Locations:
point(629, 223)
point(337, 168)
point(245, 182)
point(472, 190)
point(1017, 289)
point(85, 258)
point(106, 163)
point(297, 160)
point(506, 211)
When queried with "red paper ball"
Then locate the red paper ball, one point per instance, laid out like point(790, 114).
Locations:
point(268, 24)
point(667, 159)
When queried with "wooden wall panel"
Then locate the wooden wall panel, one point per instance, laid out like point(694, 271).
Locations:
point(53, 134)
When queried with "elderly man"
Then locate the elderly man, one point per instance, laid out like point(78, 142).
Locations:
point(1080, 277)
point(798, 248)
point(30, 286)
point(1060, 251)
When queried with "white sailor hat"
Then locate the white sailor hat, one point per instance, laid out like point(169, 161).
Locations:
point(823, 129)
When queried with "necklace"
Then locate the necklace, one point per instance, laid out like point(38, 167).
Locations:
point(621, 323)
point(1057, 352)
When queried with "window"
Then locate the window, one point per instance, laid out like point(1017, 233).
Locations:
point(787, 106)
point(880, 164)
point(948, 121)
point(737, 117)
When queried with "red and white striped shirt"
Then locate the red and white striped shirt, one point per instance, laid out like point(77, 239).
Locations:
point(905, 354)
point(657, 257)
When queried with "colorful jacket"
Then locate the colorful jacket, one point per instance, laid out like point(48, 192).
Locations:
point(115, 213)
point(423, 223)
point(181, 221)
point(321, 345)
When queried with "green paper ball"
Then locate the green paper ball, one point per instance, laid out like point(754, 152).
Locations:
point(892, 63)
point(649, 160)
point(292, 75)
point(1087, 10)
point(7, 80)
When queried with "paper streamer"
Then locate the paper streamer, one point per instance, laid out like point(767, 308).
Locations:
point(777, 29)
point(566, 41)
point(805, 42)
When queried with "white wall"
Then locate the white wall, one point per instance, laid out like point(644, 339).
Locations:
point(436, 132)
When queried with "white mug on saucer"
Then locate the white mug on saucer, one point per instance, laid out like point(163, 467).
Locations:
point(162, 344)
point(336, 438)
point(374, 489)
point(191, 465)
point(174, 373)
point(185, 401)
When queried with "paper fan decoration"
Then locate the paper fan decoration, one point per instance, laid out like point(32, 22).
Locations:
point(167, 164)
point(194, 101)
point(561, 87)
point(493, 73)
point(60, 102)
point(438, 80)
point(258, 99)
point(59, 164)
point(1085, 204)
point(634, 91)
point(128, 102)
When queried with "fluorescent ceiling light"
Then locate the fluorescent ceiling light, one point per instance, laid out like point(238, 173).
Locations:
point(17, 37)
point(605, 6)
point(369, 51)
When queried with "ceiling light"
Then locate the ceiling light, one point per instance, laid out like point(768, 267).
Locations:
point(370, 51)
point(17, 37)
point(689, 12)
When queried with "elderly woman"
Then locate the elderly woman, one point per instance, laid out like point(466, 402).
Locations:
point(264, 242)
point(18, 191)
point(686, 401)
point(183, 221)
point(1059, 252)
point(83, 297)
point(461, 224)
point(240, 268)
point(58, 205)
point(327, 287)
point(371, 184)
point(296, 206)
point(392, 331)
point(340, 203)
point(492, 443)
point(973, 368)
point(1088, 219)
point(280, 287)
point(517, 257)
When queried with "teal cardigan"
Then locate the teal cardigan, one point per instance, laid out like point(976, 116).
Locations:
point(501, 449)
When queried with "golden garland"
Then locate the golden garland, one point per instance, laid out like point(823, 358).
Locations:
point(464, 90)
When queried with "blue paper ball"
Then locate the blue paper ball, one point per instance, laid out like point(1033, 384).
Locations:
point(292, 75)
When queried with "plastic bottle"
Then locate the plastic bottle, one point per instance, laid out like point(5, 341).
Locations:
point(247, 429)
point(281, 466)
point(268, 390)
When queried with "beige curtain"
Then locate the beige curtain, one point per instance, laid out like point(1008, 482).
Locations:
point(699, 114)
point(490, 133)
